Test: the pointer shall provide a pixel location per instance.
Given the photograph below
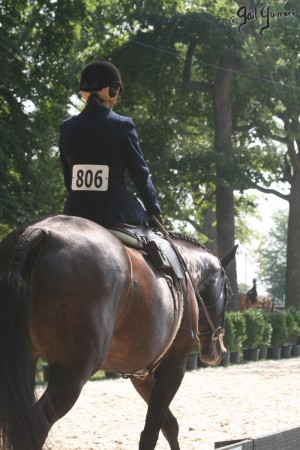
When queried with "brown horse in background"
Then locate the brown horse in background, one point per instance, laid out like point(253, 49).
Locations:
point(262, 302)
point(72, 292)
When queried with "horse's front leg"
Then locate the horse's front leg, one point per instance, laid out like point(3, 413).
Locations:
point(170, 430)
point(169, 427)
point(159, 394)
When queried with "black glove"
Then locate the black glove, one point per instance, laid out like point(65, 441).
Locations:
point(153, 220)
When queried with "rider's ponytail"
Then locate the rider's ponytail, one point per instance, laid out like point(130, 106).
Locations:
point(94, 103)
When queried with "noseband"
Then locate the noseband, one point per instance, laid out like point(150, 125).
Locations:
point(215, 335)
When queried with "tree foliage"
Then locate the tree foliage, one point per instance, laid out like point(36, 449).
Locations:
point(271, 255)
point(35, 79)
point(172, 55)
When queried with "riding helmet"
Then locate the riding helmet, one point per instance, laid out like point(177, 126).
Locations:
point(98, 75)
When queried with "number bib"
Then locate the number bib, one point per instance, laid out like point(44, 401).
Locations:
point(90, 177)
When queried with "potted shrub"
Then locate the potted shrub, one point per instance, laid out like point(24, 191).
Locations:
point(239, 335)
point(254, 322)
point(278, 338)
point(264, 344)
point(234, 336)
point(292, 331)
point(228, 339)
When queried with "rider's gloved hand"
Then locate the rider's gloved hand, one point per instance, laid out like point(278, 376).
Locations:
point(153, 220)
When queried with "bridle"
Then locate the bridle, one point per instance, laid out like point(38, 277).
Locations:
point(216, 332)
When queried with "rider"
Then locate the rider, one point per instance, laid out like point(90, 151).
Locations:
point(252, 293)
point(96, 148)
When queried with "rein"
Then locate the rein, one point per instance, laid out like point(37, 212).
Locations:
point(218, 332)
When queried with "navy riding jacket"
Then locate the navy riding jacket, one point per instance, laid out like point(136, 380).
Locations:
point(96, 149)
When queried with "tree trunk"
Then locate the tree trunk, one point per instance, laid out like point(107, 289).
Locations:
point(209, 229)
point(220, 92)
point(293, 245)
point(223, 146)
point(292, 282)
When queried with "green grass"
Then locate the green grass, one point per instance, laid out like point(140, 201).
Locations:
point(42, 364)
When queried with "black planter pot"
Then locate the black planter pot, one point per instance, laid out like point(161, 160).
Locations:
point(275, 352)
point(295, 350)
point(254, 354)
point(192, 362)
point(263, 354)
point(286, 351)
point(225, 361)
point(251, 354)
point(246, 354)
point(234, 357)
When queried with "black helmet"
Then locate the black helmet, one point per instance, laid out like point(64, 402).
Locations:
point(98, 75)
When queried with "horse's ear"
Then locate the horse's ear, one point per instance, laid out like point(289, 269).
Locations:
point(228, 258)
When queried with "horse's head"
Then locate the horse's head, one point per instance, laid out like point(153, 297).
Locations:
point(211, 288)
point(213, 293)
point(265, 301)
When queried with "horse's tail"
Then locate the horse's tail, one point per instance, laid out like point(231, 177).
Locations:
point(19, 428)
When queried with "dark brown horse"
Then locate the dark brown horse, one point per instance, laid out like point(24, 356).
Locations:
point(72, 292)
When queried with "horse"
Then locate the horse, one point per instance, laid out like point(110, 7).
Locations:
point(262, 302)
point(71, 292)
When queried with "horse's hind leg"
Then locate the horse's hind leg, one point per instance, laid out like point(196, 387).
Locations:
point(60, 395)
point(158, 393)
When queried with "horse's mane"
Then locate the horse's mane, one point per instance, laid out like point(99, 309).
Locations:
point(183, 237)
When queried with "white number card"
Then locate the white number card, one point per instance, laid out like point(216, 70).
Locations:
point(90, 177)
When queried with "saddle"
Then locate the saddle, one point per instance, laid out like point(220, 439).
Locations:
point(160, 251)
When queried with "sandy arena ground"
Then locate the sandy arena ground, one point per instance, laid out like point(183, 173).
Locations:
point(212, 404)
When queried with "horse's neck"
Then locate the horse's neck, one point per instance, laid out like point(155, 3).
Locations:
point(199, 261)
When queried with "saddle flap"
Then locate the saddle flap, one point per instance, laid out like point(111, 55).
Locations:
point(157, 255)
point(158, 248)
